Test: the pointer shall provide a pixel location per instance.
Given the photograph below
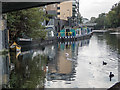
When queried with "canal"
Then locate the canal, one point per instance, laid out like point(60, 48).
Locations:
point(80, 64)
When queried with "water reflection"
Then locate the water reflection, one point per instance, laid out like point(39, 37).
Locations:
point(4, 70)
point(80, 64)
point(27, 70)
point(63, 68)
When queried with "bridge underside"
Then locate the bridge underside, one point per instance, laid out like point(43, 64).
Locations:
point(8, 6)
point(12, 6)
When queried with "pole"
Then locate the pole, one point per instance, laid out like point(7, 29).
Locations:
point(1, 47)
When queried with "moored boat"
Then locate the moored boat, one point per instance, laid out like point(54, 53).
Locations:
point(70, 34)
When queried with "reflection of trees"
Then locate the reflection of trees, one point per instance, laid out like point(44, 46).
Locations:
point(28, 72)
point(113, 41)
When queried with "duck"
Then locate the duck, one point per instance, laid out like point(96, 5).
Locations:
point(104, 63)
point(111, 75)
point(66, 54)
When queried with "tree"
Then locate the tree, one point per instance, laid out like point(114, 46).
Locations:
point(92, 20)
point(110, 19)
point(100, 21)
point(26, 22)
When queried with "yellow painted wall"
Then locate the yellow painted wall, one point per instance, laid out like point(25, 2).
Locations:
point(65, 10)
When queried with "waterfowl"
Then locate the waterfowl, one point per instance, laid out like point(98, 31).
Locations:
point(111, 75)
point(66, 54)
point(104, 63)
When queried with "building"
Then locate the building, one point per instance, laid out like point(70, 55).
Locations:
point(64, 10)
point(51, 9)
point(66, 13)
point(68, 9)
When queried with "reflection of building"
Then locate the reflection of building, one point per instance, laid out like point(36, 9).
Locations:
point(84, 43)
point(63, 67)
point(31, 65)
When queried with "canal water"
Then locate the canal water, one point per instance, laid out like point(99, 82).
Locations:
point(80, 64)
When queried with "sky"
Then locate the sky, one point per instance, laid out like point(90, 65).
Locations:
point(92, 8)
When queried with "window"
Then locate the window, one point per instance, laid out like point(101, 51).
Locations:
point(58, 13)
point(58, 7)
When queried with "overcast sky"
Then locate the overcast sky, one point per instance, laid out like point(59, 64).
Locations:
point(92, 8)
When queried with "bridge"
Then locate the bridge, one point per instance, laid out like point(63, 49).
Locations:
point(22, 4)
point(13, 5)
point(91, 25)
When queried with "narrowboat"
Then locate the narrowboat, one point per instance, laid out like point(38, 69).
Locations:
point(68, 33)
point(15, 47)
point(24, 41)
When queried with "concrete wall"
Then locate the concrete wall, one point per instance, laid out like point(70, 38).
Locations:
point(3, 33)
point(3, 39)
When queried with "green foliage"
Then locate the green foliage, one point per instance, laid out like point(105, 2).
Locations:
point(26, 22)
point(101, 21)
point(92, 20)
point(109, 20)
point(79, 18)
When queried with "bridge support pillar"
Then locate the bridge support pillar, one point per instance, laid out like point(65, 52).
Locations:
point(3, 31)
